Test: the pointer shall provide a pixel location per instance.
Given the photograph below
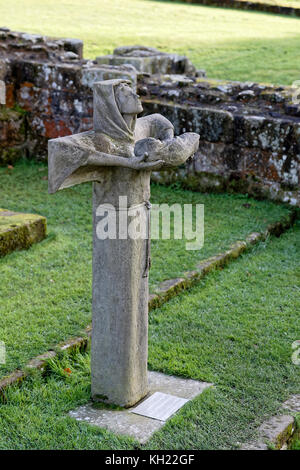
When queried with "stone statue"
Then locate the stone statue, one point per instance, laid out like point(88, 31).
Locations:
point(119, 139)
point(118, 156)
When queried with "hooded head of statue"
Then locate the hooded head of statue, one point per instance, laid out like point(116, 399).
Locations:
point(116, 106)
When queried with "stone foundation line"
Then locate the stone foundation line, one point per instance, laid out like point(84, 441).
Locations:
point(279, 431)
point(172, 287)
point(166, 290)
point(249, 6)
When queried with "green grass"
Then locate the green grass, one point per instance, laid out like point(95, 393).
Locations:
point(236, 329)
point(229, 44)
point(47, 289)
point(295, 444)
point(34, 416)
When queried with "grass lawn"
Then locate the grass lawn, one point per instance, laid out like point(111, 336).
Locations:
point(229, 44)
point(236, 329)
point(47, 289)
point(296, 442)
point(295, 445)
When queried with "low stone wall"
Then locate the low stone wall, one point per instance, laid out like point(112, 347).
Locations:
point(23, 45)
point(12, 126)
point(50, 82)
point(250, 6)
point(150, 61)
point(250, 133)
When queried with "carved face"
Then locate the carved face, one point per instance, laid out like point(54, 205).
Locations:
point(127, 100)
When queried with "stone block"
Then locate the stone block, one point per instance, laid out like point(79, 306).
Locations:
point(262, 132)
point(148, 60)
point(90, 75)
point(274, 433)
point(293, 404)
point(20, 45)
point(213, 125)
point(19, 231)
point(75, 46)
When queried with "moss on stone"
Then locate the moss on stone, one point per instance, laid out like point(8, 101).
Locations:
point(20, 231)
point(212, 82)
point(8, 113)
point(285, 436)
point(294, 443)
point(9, 155)
point(12, 123)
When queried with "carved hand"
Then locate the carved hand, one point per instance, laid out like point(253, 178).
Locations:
point(141, 163)
point(173, 152)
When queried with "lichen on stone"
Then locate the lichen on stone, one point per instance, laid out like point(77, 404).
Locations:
point(20, 231)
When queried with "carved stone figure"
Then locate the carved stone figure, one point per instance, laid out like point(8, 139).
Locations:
point(118, 156)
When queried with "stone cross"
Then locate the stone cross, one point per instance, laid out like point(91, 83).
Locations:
point(118, 157)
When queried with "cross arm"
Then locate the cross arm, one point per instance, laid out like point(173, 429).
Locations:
point(75, 159)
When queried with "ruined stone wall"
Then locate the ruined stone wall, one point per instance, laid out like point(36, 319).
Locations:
point(54, 98)
point(248, 5)
point(51, 84)
point(17, 49)
point(12, 126)
point(33, 46)
point(12, 135)
point(250, 133)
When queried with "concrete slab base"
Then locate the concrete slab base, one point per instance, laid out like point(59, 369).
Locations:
point(127, 422)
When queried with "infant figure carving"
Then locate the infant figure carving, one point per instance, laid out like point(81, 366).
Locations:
point(118, 157)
